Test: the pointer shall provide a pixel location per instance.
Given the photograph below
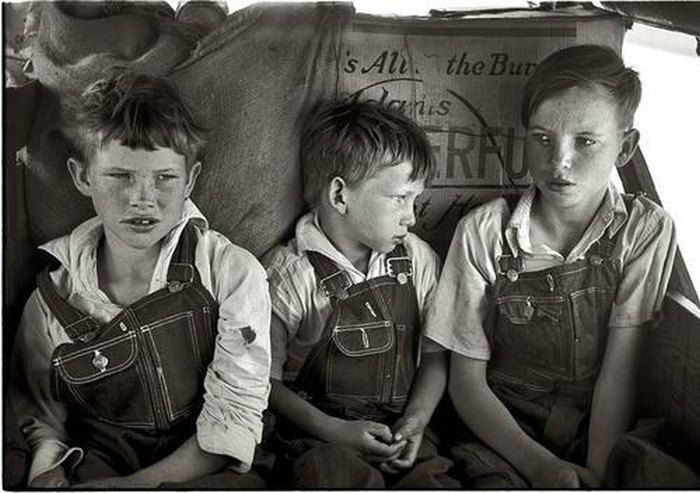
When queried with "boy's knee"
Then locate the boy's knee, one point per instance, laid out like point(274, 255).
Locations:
point(334, 466)
point(477, 466)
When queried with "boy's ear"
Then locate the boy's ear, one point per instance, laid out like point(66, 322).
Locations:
point(337, 191)
point(628, 148)
point(79, 172)
point(195, 169)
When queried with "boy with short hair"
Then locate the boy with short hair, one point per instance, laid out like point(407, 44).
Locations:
point(353, 386)
point(144, 357)
point(543, 303)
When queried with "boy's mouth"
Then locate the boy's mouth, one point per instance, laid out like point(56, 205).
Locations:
point(560, 184)
point(141, 221)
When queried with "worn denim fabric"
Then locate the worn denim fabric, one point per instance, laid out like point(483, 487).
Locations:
point(547, 331)
point(364, 363)
point(361, 368)
point(134, 386)
point(646, 458)
point(317, 464)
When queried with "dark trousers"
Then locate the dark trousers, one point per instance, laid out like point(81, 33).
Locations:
point(329, 466)
point(96, 465)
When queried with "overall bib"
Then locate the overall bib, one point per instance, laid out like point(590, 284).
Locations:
point(363, 365)
point(547, 331)
point(362, 368)
point(134, 386)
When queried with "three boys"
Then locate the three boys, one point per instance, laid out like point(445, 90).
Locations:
point(541, 303)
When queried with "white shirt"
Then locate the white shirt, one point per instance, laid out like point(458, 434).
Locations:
point(302, 306)
point(237, 380)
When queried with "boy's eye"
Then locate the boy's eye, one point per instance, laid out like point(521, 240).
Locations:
point(166, 176)
point(121, 176)
point(542, 139)
point(585, 141)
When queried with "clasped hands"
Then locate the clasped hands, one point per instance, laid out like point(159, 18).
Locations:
point(393, 449)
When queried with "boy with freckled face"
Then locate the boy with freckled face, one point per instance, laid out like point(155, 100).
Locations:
point(142, 358)
point(354, 383)
point(544, 300)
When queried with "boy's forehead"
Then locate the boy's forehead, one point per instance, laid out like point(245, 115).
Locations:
point(577, 105)
point(116, 153)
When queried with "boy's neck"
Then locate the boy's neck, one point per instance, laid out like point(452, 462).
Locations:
point(560, 229)
point(356, 253)
point(124, 274)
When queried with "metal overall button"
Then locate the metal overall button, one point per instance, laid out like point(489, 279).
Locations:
point(596, 259)
point(401, 278)
point(512, 275)
point(100, 361)
point(175, 286)
point(88, 336)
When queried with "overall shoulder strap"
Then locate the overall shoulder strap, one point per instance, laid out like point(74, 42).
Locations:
point(78, 325)
point(333, 280)
point(182, 267)
point(399, 265)
point(508, 262)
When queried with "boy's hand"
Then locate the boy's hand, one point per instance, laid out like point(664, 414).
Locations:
point(53, 478)
point(410, 429)
point(559, 473)
point(374, 440)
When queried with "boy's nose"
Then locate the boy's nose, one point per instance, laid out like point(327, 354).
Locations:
point(561, 156)
point(409, 218)
point(142, 195)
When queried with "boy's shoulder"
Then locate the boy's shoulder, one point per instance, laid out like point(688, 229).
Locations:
point(489, 216)
point(645, 215)
point(419, 250)
point(221, 250)
point(285, 259)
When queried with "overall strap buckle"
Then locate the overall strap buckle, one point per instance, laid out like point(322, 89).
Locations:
point(399, 265)
point(333, 280)
point(510, 266)
point(336, 284)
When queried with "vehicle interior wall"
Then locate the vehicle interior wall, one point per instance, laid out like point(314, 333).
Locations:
point(253, 80)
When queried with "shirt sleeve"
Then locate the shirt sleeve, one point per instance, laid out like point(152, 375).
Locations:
point(39, 416)
point(455, 320)
point(646, 268)
point(287, 310)
point(426, 267)
point(237, 381)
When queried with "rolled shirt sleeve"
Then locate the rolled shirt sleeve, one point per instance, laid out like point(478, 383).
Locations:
point(287, 308)
point(39, 416)
point(237, 380)
point(646, 265)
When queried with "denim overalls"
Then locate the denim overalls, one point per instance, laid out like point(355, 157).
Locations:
point(363, 365)
point(133, 387)
point(548, 332)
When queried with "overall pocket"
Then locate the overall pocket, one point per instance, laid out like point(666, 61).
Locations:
point(104, 379)
point(357, 361)
point(533, 330)
point(180, 368)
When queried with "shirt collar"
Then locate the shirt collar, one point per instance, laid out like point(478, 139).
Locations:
point(310, 237)
point(77, 252)
point(610, 217)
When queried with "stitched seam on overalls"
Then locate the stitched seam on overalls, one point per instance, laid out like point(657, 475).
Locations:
point(148, 329)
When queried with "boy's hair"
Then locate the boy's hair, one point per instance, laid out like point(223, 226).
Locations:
point(354, 140)
point(584, 66)
point(139, 111)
